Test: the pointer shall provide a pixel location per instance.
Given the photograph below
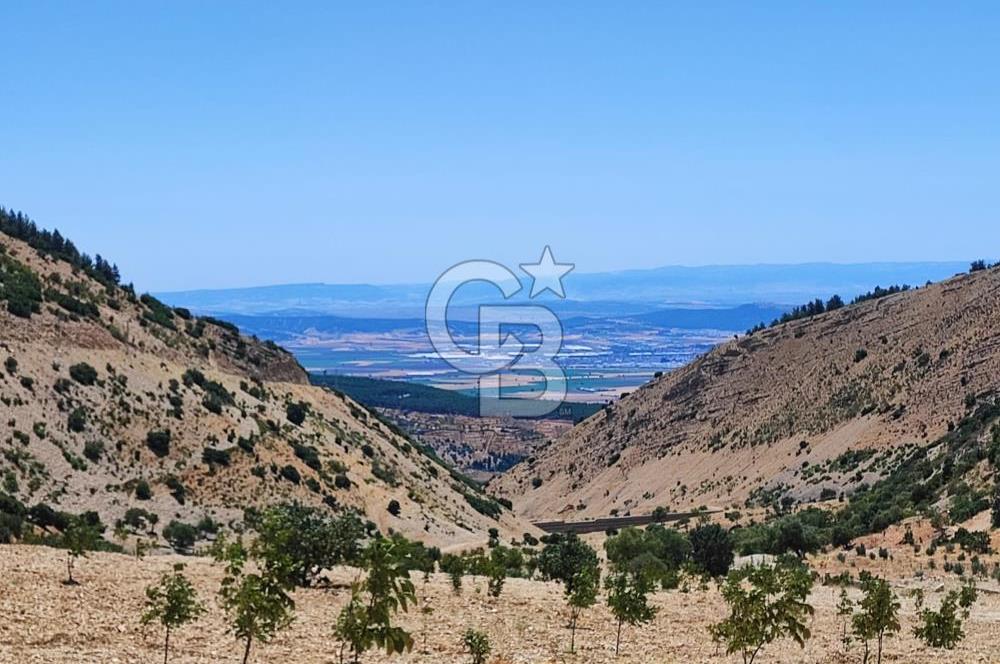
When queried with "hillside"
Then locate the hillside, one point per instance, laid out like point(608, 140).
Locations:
point(113, 401)
point(799, 412)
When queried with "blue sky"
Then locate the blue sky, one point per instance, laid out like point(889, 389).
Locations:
point(230, 144)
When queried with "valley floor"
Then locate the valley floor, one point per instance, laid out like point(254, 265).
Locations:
point(44, 621)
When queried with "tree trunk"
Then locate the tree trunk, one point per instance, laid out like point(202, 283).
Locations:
point(880, 649)
point(69, 568)
point(865, 660)
point(166, 646)
point(572, 635)
point(246, 651)
point(618, 639)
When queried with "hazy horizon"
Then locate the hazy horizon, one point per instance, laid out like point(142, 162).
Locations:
point(201, 147)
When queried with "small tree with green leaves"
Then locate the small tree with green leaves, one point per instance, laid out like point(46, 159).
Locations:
point(766, 603)
point(478, 645)
point(172, 603)
point(454, 567)
point(943, 628)
point(366, 621)
point(79, 538)
point(581, 594)
point(878, 614)
point(258, 604)
point(845, 609)
point(628, 601)
point(496, 572)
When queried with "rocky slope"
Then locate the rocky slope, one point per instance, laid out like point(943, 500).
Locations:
point(801, 411)
point(111, 401)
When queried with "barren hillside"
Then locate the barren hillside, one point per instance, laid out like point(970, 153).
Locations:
point(112, 401)
point(803, 410)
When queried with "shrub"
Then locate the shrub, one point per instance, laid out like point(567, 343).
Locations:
point(83, 373)
point(563, 556)
point(93, 450)
point(77, 421)
point(177, 489)
point(300, 541)
point(215, 457)
point(309, 456)
point(296, 413)
point(181, 536)
point(142, 490)
point(478, 645)
point(158, 441)
point(341, 481)
point(711, 549)
point(44, 516)
point(139, 519)
point(394, 508)
point(943, 628)
point(290, 473)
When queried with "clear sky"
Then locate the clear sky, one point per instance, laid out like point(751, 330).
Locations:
point(215, 144)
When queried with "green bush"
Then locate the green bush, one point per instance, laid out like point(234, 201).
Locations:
point(711, 549)
point(142, 490)
point(83, 373)
point(181, 536)
point(93, 450)
point(215, 457)
point(77, 420)
point(158, 441)
point(296, 413)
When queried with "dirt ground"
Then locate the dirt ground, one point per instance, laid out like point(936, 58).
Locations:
point(42, 620)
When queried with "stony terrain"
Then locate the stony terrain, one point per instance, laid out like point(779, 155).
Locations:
point(481, 447)
point(754, 413)
point(97, 622)
point(105, 393)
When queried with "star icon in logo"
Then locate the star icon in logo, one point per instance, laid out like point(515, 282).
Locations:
point(547, 274)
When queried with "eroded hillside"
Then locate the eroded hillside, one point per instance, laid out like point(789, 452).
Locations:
point(806, 410)
point(112, 401)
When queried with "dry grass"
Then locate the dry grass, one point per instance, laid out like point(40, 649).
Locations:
point(42, 620)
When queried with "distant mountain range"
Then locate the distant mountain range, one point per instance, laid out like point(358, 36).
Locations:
point(596, 295)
